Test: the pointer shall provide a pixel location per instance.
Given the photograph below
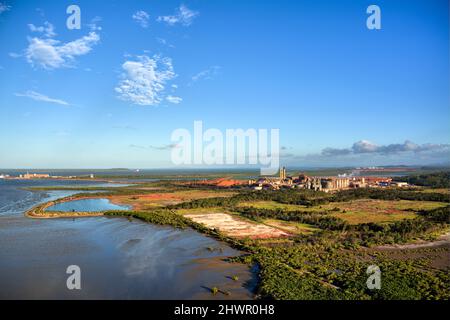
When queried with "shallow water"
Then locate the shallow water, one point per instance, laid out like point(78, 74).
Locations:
point(119, 259)
point(87, 205)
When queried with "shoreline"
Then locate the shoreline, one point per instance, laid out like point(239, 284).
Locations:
point(38, 212)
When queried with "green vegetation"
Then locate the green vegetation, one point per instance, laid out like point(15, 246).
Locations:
point(291, 227)
point(388, 194)
point(317, 272)
point(161, 217)
point(356, 211)
point(319, 220)
point(311, 198)
point(433, 180)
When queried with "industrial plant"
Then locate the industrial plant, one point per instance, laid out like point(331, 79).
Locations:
point(321, 183)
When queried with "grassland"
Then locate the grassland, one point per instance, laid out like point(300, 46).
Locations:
point(437, 190)
point(382, 211)
point(357, 211)
point(272, 205)
point(291, 227)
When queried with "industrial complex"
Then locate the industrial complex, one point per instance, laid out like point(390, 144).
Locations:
point(322, 183)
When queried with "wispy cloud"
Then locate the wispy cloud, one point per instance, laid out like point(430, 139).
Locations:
point(136, 146)
point(4, 7)
point(183, 16)
point(41, 97)
point(165, 43)
point(166, 146)
point(144, 80)
point(47, 29)
point(93, 25)
point(52, 54)
point(14, 55)
point(142, 18)
point(163, 147)
point(162, 41)
point(173, 99)
point(206, 74)
point(335, 152)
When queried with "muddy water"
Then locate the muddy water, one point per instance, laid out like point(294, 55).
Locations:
point(119, 259)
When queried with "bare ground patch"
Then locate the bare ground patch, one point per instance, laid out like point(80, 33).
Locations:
point(235, 227)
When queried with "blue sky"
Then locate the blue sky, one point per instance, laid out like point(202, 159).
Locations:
point(340, 94)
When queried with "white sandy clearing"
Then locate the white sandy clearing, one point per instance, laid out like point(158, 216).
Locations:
point(238, 228)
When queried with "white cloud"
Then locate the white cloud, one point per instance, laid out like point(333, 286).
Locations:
point(50, 54)
point(144, 80)
point(136, 146)
point(162, 41)
point(206, 74)
point(367, 147)
point(47, 29)
point(93, 24)
point(162, 147)
point(33, 28)
point(14, 55)
point(142, 18)
point(4, 7)
point(40, 97)
point(41, 12)
point(364, 146)
point(173, 99)
point(184, 16)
